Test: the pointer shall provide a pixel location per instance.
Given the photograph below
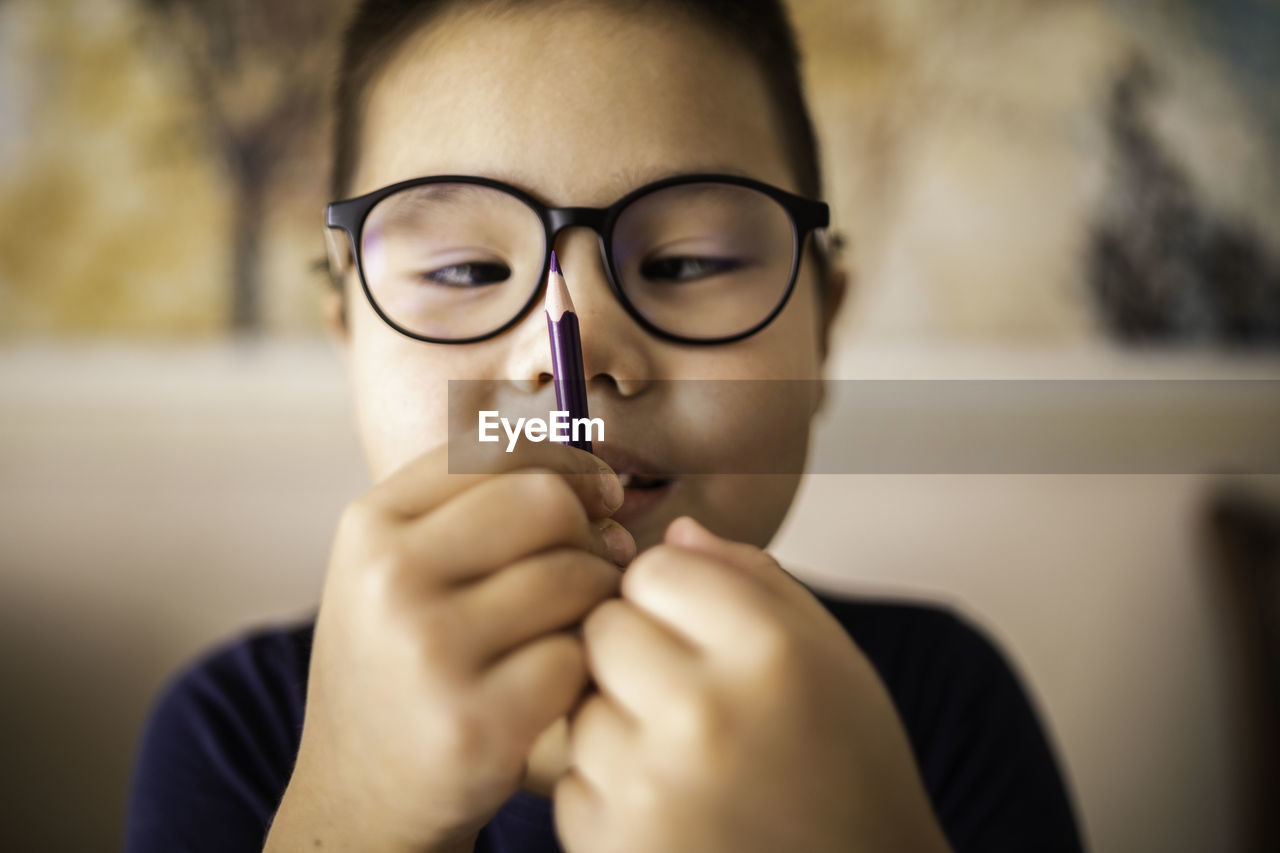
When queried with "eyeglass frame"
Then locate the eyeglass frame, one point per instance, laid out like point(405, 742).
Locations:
point(805, 215)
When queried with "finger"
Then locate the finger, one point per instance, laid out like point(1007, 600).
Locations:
point(428, 480)
point(601, 739)
point(542, 678)
point(548, 757)
point(579, 813)
point(504, 519)
point(547, 592)
point(702, 600)
point(634, 660)
point(686, 532)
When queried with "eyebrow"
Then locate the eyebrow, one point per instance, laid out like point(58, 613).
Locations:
point(410, 204)
point(632, 177)
point(627, 177)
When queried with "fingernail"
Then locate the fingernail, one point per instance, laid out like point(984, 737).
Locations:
point(619, 543)
point(611, 490)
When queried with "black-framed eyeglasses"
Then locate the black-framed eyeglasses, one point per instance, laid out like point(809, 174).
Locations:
point(698, 258)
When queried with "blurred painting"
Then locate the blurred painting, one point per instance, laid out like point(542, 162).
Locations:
point(1005, 169)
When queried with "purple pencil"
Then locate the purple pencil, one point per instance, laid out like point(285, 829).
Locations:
point(566, 352)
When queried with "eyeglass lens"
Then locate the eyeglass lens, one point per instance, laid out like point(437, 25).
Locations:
point(453, 260)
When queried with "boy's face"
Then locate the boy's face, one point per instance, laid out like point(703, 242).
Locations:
point(577, 106)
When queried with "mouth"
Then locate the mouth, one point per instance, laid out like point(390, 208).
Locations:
point(644, 485)
point(642, 482)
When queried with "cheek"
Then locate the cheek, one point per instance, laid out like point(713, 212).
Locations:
point(741, 426)
point(399, 390)
point(748, 440)
point(796, 333)
point(751, 412)
point(750, 403)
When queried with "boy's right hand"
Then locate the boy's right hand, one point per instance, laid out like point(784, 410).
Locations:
point(445, 643)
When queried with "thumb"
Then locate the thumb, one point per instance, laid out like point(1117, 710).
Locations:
point(686, 532)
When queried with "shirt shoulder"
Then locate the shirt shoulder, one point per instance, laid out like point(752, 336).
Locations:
point(920, 649)
point(219, 744)
point(984, 755)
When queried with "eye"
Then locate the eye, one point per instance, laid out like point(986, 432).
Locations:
point(681, 268)
point(473, 274)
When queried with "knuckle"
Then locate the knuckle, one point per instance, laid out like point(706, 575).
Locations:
point(463, 733)
point(568, 657)
point(575, 571)
point(384, 575)
point(437, 640)
point(541, 484)
point(771, 647)
point(644, 801)
point(360, 519)
point(549, 500)
point(588, 709)
point(394, 587)
point(598, 580)
point(601, 617)
point(698, 722)
point(584, 587)
point(560, 668)
point(652, 568)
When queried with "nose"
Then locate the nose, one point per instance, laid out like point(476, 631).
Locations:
point(615, 350)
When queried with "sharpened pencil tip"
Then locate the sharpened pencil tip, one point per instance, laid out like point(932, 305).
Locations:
point(558, 302)
point(555, 265)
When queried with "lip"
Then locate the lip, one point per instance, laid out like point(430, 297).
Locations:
point(637, 502)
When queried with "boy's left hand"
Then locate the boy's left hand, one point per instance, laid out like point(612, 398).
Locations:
point(734, 713)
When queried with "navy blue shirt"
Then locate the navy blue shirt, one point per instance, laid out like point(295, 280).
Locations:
point(219, 746)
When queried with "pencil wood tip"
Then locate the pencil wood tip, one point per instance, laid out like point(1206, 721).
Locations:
point(558, 301)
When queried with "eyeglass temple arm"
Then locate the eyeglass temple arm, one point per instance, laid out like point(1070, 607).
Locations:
point(341, 252)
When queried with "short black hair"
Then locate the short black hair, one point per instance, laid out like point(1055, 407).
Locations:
point(762, 27)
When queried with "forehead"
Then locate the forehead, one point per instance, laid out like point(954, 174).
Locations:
point(576, 103)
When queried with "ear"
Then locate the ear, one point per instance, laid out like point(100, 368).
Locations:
point(333, 310)
point(833, 297)
point(833, 293)
point(333, 307)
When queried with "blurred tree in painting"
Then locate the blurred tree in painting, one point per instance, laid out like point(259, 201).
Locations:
point(260, 74)
point(105, 212)
point(162, 166)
